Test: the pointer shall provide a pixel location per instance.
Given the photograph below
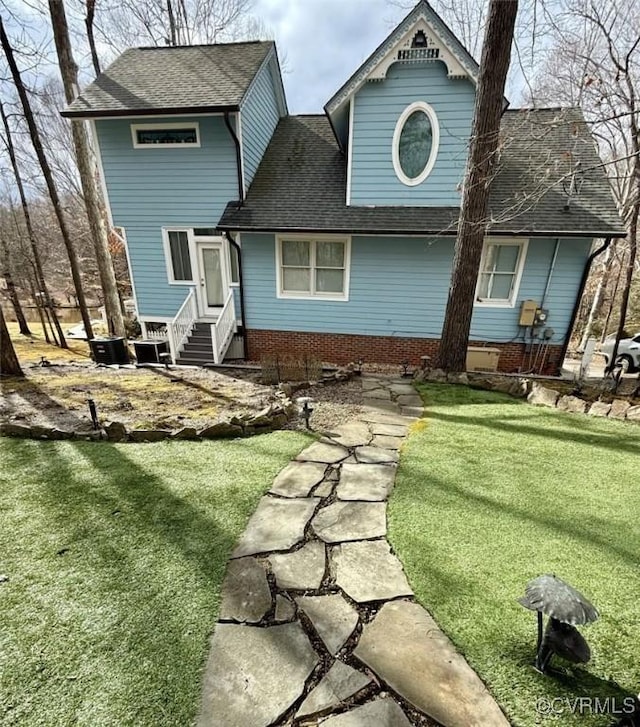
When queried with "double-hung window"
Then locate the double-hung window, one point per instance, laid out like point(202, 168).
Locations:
point(500, 272)
point(313, 268)
point(178, 254)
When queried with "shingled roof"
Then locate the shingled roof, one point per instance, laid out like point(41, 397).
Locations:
point(301, 184)
point(186, 79)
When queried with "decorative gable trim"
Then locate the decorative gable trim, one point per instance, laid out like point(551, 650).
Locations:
point(442, 45)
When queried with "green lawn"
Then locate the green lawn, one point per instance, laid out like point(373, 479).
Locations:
point(493, 492)
point(115, 555)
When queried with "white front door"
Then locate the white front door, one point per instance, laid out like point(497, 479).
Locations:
point(213, 277)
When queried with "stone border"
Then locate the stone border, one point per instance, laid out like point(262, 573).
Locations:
point(535, 393)
point(318, 623)
point(272, 417)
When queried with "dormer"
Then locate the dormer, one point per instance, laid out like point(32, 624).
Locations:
point(404, 117)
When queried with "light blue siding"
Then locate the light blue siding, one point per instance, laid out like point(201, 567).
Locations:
point(378, 106)
point(259, 118)
point(399, 288)
point(154, 188)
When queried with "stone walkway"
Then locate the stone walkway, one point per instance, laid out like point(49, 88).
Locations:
point(318, 624)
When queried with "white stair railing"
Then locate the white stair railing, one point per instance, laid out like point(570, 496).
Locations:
point(182, 324)
point(223, 329)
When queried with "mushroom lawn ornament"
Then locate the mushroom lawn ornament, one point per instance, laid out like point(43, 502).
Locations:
point(566, 608)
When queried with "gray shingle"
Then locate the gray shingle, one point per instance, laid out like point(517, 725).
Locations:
point(301, 184)
point(173, 78)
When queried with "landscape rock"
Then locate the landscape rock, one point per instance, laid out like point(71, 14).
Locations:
point(599, 409)
point(325, 488)
point(405, 647)
point(365, 482)
point(185, 433)
point(572, 404)
point(633, 413)
point(402, 389)
point(381, 713)
point(302, 569)
point(437, 376)
point(8, 429)
point(297, 479)
point(116, 431)
point(342, 521)
point(221, 430)
point(381, 393)
point(619, 409)
point(338, 684)
point(541, 396)
point(148, 435)
point(390, 430)
point(246, 596)
point(319, 452)
point(459, 378)
point(253, 675)
point(368, 571)
point(276, 524)
point(375, 455)
point(332, 617)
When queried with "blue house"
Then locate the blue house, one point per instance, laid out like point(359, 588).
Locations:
point(333, 234)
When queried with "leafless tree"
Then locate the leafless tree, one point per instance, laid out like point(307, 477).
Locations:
point(46, 171)
point(92, 198)
point(485, 133)
point(9, 364)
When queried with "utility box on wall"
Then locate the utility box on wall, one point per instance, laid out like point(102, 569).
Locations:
point(482, 358)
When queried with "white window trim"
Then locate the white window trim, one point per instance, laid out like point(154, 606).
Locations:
point(510, 303)
point(346, 239)
point(167, 254)
point(174, 125)
point(435, 143)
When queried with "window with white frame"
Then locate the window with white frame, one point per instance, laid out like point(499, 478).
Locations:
point(146, 136)
point(500, 272)
point(177, 245)
point(313, 268)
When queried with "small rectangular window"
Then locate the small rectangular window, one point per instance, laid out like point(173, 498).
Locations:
point(234, 264)
point(500, 272)
point(180, 256)
point(165, 135)
point(313, 268)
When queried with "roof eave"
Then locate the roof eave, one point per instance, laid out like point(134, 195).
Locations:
point(152, 111)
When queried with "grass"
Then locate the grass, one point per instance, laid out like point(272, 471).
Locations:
point(493, 492)
point(30, 349)
point(115, 556)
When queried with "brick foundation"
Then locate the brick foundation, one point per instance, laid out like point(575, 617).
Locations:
point(339, 348)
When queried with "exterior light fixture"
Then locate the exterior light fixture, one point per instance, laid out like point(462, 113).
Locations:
point(94, 413)
point(306, 410)
point(566, 609)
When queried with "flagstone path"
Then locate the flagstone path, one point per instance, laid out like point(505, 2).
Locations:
point(318, 624)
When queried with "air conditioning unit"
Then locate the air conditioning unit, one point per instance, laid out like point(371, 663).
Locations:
point(482, 358)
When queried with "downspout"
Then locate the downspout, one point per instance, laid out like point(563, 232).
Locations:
point(238, 249)
point(236, 141)
point(583, 283)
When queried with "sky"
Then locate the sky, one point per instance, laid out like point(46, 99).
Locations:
point(322, 42)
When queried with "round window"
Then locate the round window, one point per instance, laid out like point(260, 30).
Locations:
point(415, 143)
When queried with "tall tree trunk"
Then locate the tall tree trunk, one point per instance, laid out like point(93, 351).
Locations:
point(69, 73)
point(48, 177)
point(40, 279)
point(38, 306)
point(9, 364)
point(494, 65)
point(88, 21)
point(11, 289)
point(598, 296)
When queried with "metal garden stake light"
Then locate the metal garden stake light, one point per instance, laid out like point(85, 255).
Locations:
point(566, 608)
point(306, 409)
point(94, 413)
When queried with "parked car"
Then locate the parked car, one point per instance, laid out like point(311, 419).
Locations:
point(628, 351)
